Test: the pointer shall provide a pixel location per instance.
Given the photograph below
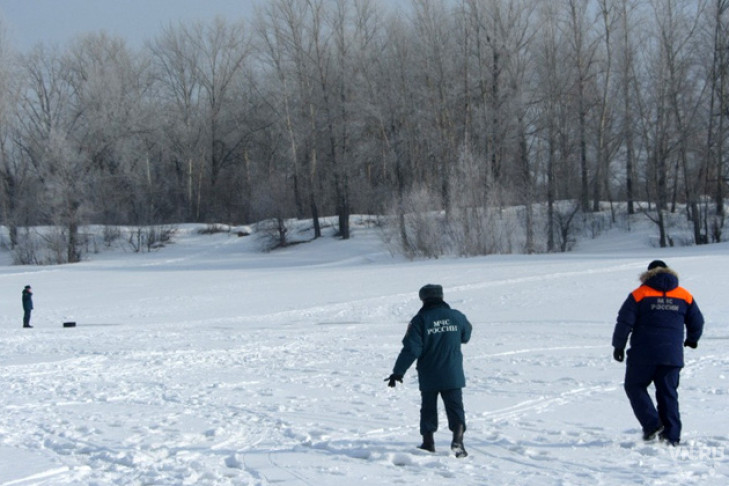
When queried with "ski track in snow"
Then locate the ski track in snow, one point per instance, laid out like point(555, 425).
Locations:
point(295, 395)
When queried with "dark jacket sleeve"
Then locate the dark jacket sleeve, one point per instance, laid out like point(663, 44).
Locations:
point(412, 346)
point(626, 320)
point(694, 322)
point(467, 329)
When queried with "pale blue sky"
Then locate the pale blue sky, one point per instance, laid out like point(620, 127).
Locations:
point(29, 22)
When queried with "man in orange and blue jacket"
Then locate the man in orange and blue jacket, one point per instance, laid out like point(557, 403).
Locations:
point(654, 315)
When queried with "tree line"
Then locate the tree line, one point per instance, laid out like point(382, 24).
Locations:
point(460, 108)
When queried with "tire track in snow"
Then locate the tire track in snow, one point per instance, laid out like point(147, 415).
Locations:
point(392, 304)
point(543, 277)
point(532, 350)
point(542, 403)
point(266, 466)
point(35, 478)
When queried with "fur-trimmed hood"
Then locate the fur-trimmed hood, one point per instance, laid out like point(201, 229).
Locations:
point(660, 278)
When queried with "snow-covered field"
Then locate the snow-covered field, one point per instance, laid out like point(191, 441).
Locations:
point(208, 362)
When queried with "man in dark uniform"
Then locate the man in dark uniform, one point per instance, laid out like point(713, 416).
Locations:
point(433, 338)
point(27, 305)
point(654, 315)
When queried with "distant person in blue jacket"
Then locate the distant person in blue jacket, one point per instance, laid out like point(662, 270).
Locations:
point(655, 315)
point(433, 338)
point(27, 305)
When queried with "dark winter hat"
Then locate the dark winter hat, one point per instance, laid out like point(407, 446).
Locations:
point(656, 264)
point(27, 286)
point(430, 291)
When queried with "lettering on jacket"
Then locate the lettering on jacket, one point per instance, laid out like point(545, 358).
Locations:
point(665, 304)
point(443, 325)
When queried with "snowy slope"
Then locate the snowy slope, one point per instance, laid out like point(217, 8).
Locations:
point(208, 362)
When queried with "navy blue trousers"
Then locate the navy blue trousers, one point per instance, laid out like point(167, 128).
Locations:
point(453, 401)
point(665, 378)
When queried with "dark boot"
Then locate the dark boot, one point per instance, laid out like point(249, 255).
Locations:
point(457, 444)
point(428, 442)
point(649, 435)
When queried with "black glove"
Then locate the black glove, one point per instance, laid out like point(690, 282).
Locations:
point(619, 354)
point(690, 344)
point(392, 379)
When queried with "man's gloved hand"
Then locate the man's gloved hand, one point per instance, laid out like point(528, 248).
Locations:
point(619, 354)
point(392, 379)
point(690, 344)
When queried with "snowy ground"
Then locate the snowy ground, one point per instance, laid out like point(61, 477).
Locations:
point(210, 363)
